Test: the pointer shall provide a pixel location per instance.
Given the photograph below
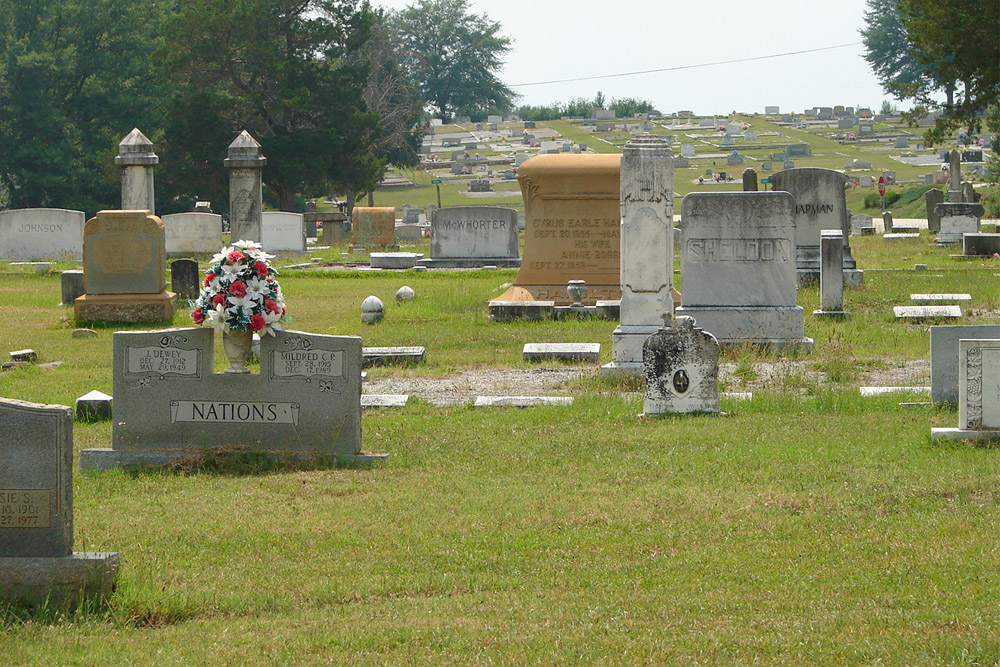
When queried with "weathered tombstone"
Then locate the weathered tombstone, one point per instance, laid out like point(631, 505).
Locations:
point(956, 219)
point(944, 357)
point(124, 269)
point(184, 278)
point(979, 244)
point(37, 563)
point(889, 176)
point(471, 236)
point(283, 231)
point(831, 275)
point(968, 192)
point(819, 204)
point(137, 159)
point(771, 110)
point(902, 142)
point(192, 232)
point(169, 403)
point(749, 180)
point(72, 286)
point(867, 182)
point(766, 166)
point(788, 164)
point(30, 234)
point(955, 177)
point(887, 221)
point(687, 150)
point(374, 227)
point(860, 222)
point(738, 267)
point(734, 159)
point(245, 164)
point(647, 249)
point(572, 219)
point(978, 392)
point(681, 366)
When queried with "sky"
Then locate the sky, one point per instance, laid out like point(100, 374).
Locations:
point(586, 38)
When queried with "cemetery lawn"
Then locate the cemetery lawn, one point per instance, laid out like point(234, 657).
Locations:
point(807, 526)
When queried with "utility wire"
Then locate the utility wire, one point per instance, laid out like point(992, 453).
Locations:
point(680, 67)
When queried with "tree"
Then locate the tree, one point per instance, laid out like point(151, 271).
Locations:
point(891, 55)
point(289, 72)
point(918, 47)
point(454, 56)
point(74, 80)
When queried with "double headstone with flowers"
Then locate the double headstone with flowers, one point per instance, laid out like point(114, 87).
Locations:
point(170, 402)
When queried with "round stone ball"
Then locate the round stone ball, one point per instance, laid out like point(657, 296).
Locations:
point(372, 310)
point(405, 293)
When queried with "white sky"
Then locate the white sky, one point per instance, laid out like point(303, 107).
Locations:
point(579, 38)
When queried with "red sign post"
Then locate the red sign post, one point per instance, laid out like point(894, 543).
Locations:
point(881, 190)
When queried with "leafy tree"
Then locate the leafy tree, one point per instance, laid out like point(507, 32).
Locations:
point(630, 106)
point(891, 56)
point(74, 80)
point(454, 56)
point(289, 72)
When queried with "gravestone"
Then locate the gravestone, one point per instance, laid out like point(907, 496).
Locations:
point(902, 142)
point(749, 180)
point(411, 215)
point(283, 231)
point(957, 219)
point(30, 234)
point(572, 219)
point(944, 357)
point(968, 192)
point(771, 110)
point(979, 244)
point(192, 232)
point(978, 392)
point(831, 275)
point(819, 204)
point(867, 182)
point(184, 278)
point(647, 249)
point(859, 222)
point(332, 222)
point(788, 164)
point(72, 286)
point(887, 221)
point(245, 164)
point(738, 267)
point(472, 236)
point(124, 269)
point(734, 159)
point(137, 160)
point(687, 150)
point(37, 563)
point(681, 367)
point(846, 123)
point(766, 166)
point(889, 176)
point(955, 177)
point(169, 402)
point(374, 227)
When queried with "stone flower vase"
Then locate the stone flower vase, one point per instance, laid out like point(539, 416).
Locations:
point(237, 345)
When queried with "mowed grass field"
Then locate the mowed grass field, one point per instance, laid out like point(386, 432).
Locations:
point(808, 526)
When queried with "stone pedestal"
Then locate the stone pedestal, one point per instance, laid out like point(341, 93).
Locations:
point(245, 164)
point(647, 249)
point(137, 160)
point(681, 365)
point(831, 277)
point(144, 308)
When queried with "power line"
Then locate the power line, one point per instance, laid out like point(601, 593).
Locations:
point(680, 67)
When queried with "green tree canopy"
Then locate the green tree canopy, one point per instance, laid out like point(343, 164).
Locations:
point(289, 72)
point(74, 80)
point(454, 57)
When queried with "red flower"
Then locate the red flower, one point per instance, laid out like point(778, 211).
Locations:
point(219, 300)
point(209, 277)
point(197, 316)
point(271, 306)
point(235, 257)
point(257, 323)
point(261, 269)
point(238, 288)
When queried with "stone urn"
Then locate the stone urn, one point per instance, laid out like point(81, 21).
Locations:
point(577, 290)
point(237, 345)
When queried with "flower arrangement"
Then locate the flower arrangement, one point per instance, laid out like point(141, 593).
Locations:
point(240, 292)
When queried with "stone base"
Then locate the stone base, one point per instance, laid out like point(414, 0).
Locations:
point(585, 352)
point(620, 369)
point(775, 327)
point(394, 260)
point(939, 434)
point(148, 308)
point(832, 314)
point(508, 311)
point(392, 356)
point(471, 262)
point(102, 459)
point(58, 581)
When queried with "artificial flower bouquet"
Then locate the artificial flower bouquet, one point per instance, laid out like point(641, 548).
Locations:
point(240, 292)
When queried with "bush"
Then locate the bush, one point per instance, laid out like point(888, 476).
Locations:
point(873, 200)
